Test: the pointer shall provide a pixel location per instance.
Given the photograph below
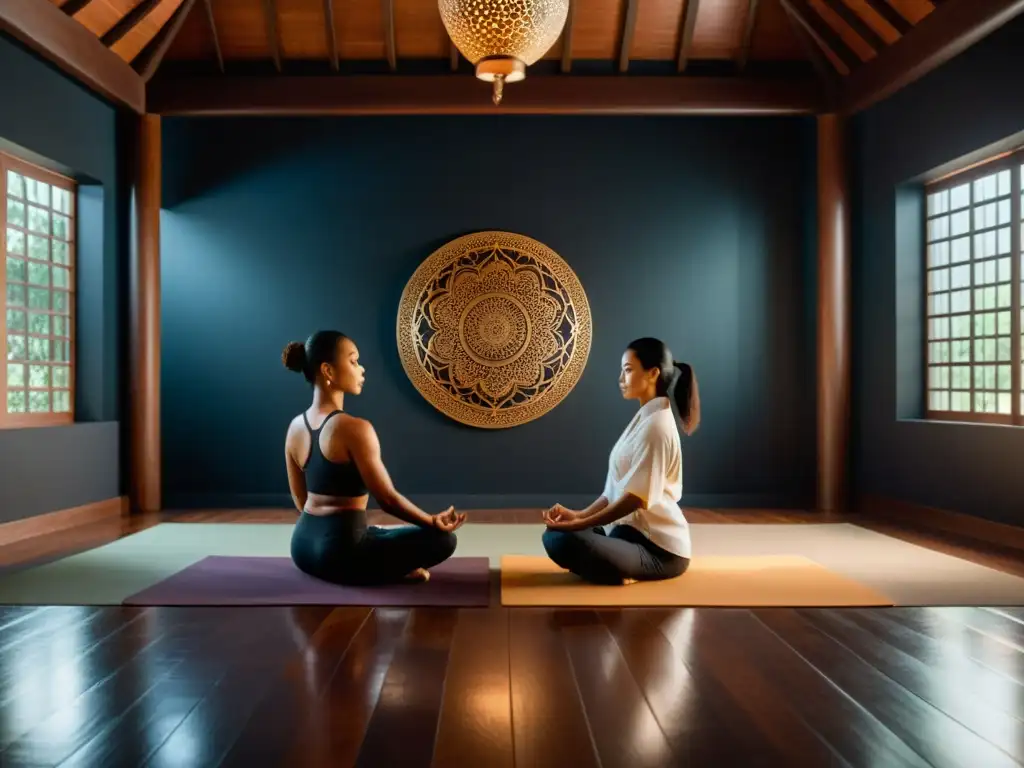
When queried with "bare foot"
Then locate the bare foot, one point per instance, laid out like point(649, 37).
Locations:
point(420, 574)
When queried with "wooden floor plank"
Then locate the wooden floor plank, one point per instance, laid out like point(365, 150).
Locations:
point(475, 727)
point(82, 659)
point(701, 721)
point(243, 676)
point(941, 650)
point(705, 640)
point(322, 638)
point(853, 733)
point(612, 698)
point(549, 725)
point(1009, 611)
point(1002, 627)
point(946, 627)
point(940, 739)
point(129, 740)
point(332, 731)
point(33, 699)
point(410, 699)
point(13, 615)
point(62, 621)
point(954, 698)
point(85, 694)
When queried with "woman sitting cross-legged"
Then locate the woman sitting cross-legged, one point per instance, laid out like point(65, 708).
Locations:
point(334, 464)
point(649, 538)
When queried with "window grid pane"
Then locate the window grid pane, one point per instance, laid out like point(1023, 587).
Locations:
point(1018, 231)
point(970, 302)
point(39, 286)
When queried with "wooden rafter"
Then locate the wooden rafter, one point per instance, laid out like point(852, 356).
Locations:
point(58, 38)
point(892, 17)
point(149, 60)
point(628, 31)
point(567, 38)
point(444, 94)
point(388, 14)
point(822, 34)
point(827, 73)
point(853, 20)
point(128, 22)
point(686, 27)
point(71, 7)
point(208, 4)
point(332, 36)
point(270, 20)
point(944, 33)
point(749, 24)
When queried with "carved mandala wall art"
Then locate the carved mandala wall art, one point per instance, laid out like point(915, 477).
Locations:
point(494, 329)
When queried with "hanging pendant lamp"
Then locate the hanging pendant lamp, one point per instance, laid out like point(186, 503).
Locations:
point(501, 38)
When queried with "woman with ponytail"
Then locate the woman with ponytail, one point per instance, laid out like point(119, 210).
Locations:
point(649, 537)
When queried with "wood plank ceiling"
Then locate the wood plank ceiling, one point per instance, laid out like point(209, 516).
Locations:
point(629, 36)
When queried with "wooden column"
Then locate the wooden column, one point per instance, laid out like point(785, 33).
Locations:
point(145, 321)
point(833, 315)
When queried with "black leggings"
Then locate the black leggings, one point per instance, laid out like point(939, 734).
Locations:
point(340, 548)
point(603, 559)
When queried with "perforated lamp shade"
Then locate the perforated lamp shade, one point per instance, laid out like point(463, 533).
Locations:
point(501, 38)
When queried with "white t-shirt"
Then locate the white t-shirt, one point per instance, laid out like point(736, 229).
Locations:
point(647, 462)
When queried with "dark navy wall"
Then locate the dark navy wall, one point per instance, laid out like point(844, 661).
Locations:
point(694, 230)
point(53, 121)
point(970, 103)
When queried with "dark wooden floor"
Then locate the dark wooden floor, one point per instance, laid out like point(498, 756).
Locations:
point(310, 686)
point(496, 687)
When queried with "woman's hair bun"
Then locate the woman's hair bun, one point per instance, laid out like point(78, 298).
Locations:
point(294, 356)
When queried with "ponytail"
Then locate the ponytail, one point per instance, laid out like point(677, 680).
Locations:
point(675, 380)
point(686, 397)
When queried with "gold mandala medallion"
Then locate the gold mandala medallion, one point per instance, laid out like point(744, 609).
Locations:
point(494, 329)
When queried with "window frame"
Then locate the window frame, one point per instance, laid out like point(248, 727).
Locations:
point(1011, 161)
point(45, 419)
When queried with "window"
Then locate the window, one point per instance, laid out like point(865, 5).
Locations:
point(973, 294)
point(37, 217)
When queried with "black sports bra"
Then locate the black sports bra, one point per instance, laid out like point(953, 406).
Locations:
point(326, 477)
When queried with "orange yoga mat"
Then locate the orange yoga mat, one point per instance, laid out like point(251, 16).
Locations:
point(771, 580)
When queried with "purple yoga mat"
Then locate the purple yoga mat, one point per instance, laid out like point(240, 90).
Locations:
point(459, 581)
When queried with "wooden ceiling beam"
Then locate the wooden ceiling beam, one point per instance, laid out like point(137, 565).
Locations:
point(567, 38)
point(628, 31)
point(149, 59)
point(822, 33)
point(128, 22)
point(212, 23)
point(826, 71)
point(71, 7)
point(853, 20)
point(892, 17)
point(686, 26)
point(270, 21)
point(58, 38)
point(388, 12)
point(749, 24)
point(444, 94)
point(945, 32)
point(332, 35)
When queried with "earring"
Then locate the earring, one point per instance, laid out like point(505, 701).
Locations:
point(328, 382)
